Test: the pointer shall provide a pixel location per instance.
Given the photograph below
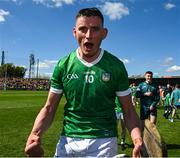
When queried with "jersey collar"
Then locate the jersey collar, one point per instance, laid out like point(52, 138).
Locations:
point(91, 63)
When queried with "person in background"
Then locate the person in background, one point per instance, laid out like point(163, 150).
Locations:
point(167, 105)
point(167, 89)
point(120, 121)
point(148, 93)
point(162, 98)
point(90, 79)
point(133, 93)
point(175, 101)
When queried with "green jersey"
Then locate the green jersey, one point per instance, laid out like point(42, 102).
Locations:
point(148, 100)
point(118, 107)
point(133, 90)
point(167, 100)
point(90, 90)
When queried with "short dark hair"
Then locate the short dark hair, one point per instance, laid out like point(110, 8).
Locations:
point(90, 12)
point(149, 72)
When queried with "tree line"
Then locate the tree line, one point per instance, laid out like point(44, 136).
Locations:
point(10, 70)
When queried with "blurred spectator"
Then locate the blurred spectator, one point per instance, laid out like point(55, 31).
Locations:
point(133, 93)
point(24, 84)
point(175, 101)
point(162, 97)
point(167, 90)
point(167, 105)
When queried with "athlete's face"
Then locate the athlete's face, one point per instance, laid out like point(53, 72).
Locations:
point(148, 77)
point(89, 33)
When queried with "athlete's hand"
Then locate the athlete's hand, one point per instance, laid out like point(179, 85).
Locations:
point(137, 147)
point(33, 146)
point(148, 94)
point(151, 108)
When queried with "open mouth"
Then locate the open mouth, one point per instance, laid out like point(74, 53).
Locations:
point(88, 45)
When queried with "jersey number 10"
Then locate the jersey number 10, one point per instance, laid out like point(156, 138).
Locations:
point(89, 78)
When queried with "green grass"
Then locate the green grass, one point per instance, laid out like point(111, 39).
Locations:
point(18, 110)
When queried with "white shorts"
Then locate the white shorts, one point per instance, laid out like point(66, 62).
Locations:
point(80, 147)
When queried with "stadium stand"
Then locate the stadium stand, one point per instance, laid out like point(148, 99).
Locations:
point(43, 84)
point(24, 84)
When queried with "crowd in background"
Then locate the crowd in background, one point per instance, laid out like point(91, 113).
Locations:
point(24, 84)
point(44, 84)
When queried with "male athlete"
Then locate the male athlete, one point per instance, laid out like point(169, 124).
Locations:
point(90, 79)
point(149, 96)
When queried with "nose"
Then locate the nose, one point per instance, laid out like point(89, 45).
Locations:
point(89, 33)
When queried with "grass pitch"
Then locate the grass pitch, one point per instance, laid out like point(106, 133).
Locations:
point(18, 110)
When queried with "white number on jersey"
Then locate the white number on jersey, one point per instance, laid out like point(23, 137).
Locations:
point(89, 78)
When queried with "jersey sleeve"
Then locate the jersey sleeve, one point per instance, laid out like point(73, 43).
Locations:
point(139, 93)
point(123, 82)
point(56, 79)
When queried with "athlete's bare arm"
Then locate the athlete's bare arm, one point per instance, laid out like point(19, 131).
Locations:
point(132, 123)
point(43, 121)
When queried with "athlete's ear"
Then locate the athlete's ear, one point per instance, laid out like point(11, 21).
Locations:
point(105, 32)
point(74, 31)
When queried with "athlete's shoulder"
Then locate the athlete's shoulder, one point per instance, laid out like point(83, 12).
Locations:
point(113, 60)
point(112, 57)
point(66, 59)
point(142, 84)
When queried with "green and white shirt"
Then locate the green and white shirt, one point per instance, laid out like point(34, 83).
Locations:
point(90, 90)
point(118, 107)
point(133, 90)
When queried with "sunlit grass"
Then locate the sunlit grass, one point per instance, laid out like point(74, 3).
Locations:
point(18, 110)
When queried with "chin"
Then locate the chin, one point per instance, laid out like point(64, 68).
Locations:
point(88, 52)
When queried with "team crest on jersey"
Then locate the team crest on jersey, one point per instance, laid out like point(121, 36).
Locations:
point(106, 76)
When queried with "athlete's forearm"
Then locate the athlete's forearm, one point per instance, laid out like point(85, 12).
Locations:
point(45, 117)
point(136, 136)
point(131, 119)
point(133, 123)
point(43, 120)
point(130, 115)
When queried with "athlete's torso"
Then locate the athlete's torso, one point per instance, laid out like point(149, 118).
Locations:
point(90, 90)
point(143, 88)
